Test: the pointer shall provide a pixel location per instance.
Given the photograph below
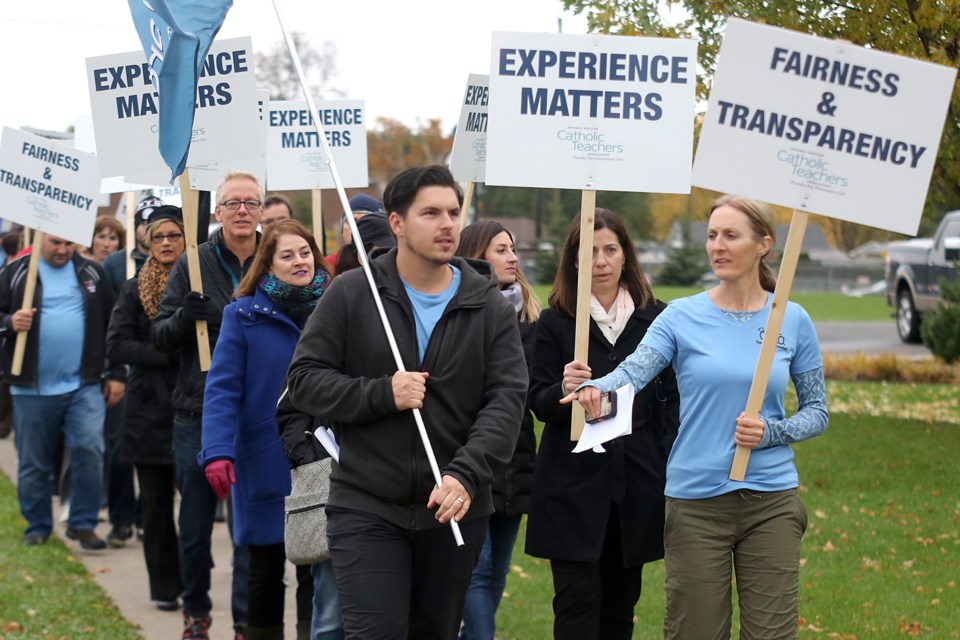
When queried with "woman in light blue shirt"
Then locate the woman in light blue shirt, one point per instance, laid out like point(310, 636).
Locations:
point(715, 526)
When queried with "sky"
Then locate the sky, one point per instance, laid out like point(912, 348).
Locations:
point(407, 60)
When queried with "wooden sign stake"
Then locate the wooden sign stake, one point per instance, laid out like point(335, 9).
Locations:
point(781, 293)
point(190, 199)
point(581, 344)
point(29, 288)
point(131, 242)
point(317, 220)
point(467, 200)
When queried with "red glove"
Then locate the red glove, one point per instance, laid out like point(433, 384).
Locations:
point(220, 475)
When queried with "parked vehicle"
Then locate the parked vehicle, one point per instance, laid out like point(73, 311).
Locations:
point(913, 273)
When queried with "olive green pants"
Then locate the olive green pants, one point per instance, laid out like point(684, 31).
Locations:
point(755, 534)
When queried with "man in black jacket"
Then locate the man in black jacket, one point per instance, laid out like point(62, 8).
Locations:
point(224, 260)
point(60, 391)
point(398, 570)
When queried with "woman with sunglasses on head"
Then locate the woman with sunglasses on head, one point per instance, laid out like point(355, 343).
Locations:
point(148, 432)
point(716, 526)
point(598, 515)
point(242, 451)
point(492, 242)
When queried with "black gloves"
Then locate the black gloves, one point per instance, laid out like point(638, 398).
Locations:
point(197, 306)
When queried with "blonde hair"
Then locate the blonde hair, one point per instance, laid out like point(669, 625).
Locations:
point(239, 175)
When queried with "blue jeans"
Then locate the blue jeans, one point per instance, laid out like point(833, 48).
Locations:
point(489, 578)
point(327, 622)
point(40, 422)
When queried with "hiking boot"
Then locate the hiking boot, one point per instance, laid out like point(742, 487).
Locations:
point(34, 539)
point(195, 627)
point(87, 539)
point(119, 535)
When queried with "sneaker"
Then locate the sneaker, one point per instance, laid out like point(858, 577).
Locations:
point(167, 605)
point(195, 627)
point(119, 535)
point(87, 538)
point(34, 539)
point(238, 633)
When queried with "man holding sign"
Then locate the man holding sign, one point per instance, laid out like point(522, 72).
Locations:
point(59, 392)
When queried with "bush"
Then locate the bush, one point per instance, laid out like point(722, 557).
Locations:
point(940, 330)
point(889, 368)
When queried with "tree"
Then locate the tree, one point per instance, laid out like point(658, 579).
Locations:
point(276, 73)
point(940, 330)
point(923, 29)
point(393, 146)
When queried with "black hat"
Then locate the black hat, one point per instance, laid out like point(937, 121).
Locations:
point(375, 231)
point(166, 212)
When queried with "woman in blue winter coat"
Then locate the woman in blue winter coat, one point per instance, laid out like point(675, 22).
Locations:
point(242, 449)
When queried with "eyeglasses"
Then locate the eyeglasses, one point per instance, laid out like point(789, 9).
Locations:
point(234, 205)
point(172, 237)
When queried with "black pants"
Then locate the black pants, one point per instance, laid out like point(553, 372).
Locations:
point(267, 563)
point(160, 546)
point(397, 584)
point(118, 472)
point(595, 600)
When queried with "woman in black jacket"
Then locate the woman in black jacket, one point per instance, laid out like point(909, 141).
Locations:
point(491, 241)
point(598, 516)
point(148, 425)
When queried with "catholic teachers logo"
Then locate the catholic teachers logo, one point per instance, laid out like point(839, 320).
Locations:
point(811, 170)
point(589, 142)
point(781, 343)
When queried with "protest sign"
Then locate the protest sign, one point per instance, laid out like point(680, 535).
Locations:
point(125, 111)
point(595, 112)
point(48, 186)
point(823, 126)
point(820, 126)
point(468, 160)
point(295, 158)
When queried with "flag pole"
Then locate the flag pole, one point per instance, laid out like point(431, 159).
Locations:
point(362, 254)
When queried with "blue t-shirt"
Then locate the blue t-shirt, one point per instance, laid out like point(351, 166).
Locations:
point(61, 318)
point(427, 309)
point(715, 357)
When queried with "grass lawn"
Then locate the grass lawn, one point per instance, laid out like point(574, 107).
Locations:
point(45, 592)
point(820, 306)
point(881, 557)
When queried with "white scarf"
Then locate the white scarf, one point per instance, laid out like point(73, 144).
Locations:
point(514, 296)
point(612, 324)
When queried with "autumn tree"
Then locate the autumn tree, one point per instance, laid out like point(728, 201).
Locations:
point(276, 73)
point(924, 29)
point(393, 146)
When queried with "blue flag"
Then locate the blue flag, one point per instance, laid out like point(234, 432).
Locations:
point(176, 35)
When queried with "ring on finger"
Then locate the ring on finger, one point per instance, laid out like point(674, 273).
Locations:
point(460, 500)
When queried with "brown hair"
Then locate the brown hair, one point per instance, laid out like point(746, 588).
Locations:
point(563, 295)
point(761, 220)
point(263, 258)
point(474, 240)
point(111, 224)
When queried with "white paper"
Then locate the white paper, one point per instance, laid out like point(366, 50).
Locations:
point(325, 436)
point(619, 425)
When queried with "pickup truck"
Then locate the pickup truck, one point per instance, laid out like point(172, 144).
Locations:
point(914, 269)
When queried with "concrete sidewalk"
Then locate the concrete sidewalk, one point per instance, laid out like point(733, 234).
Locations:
point(123, 575)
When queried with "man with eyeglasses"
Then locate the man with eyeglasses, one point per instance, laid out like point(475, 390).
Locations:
point(224, 260)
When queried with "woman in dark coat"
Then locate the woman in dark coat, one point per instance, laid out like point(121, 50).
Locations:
point(598, 516)
point(492, 242)
point(148, 426)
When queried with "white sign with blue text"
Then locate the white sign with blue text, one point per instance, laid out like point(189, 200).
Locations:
point(125, 110)
point(822, 126)
point(468, 160)
point(48, 186)
point(295, 157)
point(591, 112)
